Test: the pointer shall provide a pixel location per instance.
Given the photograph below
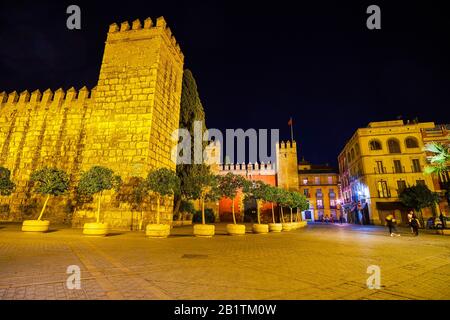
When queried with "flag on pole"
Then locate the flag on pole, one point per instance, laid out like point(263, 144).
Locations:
point(290, 122)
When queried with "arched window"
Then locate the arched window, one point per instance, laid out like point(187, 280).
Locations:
point(411, 142)
point(349, 157)
point(357, 149)
point(353, 154)
point(375, 145)
point(394, 146)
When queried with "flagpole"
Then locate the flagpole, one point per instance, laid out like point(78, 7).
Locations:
point(292, 131)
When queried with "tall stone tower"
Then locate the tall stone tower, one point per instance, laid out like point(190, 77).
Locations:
point(287, 165)
point(137, 103)
point(125, 124)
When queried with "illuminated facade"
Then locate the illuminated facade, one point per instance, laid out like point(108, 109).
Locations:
point(376, 164)
point(320, 185)
point(440, 134)
point(125, 124)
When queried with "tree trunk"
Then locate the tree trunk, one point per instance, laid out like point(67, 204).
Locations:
point(282, 214)
point(176, 210)
point(157, 208)
point(232, 210)
point(257, 212)
point(43, 208)
point(291, 215)
point(203, 211)
point(273, 214)
point(98, 207)
point(141, 220)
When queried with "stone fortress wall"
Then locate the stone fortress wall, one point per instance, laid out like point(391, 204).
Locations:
point(125, 124)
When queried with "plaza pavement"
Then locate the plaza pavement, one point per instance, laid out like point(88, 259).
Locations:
point(317, 262)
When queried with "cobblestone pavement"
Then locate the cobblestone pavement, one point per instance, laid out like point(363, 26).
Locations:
point(317, 262)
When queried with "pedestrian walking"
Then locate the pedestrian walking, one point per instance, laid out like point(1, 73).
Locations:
point(410, 217)
point(390, 222)
point(415, 225)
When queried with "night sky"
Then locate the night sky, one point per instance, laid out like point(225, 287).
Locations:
point(259, 63)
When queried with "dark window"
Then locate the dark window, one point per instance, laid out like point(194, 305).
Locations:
point(416, 165)
point(401, 185)
point(420, 182)
point(306, 192)
point(394, 146)
point(411, 142)
point(398, 166)
point(375, 145)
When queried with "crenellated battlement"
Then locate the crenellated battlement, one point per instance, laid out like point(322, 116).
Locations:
point(47, 97)
point(259, 168)
point(148, 29)
point(287, 145)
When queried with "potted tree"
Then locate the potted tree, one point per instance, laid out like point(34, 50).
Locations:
point(94, 182)
point(285, 200)
point(48, 182)
point(201, 185)
point(300, 203)
point(419, 197)
point(272, 196)
point(257, 190)
point(163, 183)
point(229, 185)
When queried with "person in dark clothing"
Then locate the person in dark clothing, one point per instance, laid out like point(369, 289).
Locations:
point(415, 226)
point(390, 222)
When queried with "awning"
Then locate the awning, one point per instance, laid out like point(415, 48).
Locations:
point(395, 205)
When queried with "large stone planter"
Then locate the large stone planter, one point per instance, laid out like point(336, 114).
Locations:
point(35, 225)
point(204, 230)
point(275, 227)
point(302, 224)
point(95, 229)
point(177, 223)
point(287, 226)
point(260, 228)
point(187, 222)
point(236, 229)
point(157, 230)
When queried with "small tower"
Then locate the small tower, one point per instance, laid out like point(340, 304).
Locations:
point(287, 165)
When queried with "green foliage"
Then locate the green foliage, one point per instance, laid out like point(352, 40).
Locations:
point(439, 159)
point(299, 201)
point(50, 181)
point(229, 185)
point(209, 216)
point(187, 207)
point(6, 185)
point(191, 110)
point(256, 189)
point(418, 197)
point(98, 179)
point(201, 184)
point(163, 182)
point(284, 198)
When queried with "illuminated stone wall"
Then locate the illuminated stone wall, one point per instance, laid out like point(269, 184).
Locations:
point(124, 124)
point(287, 166)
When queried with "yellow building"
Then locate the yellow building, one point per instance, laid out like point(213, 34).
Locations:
point(320, 185)
point(439, 134)
point(125, 124)
point(376, 164)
